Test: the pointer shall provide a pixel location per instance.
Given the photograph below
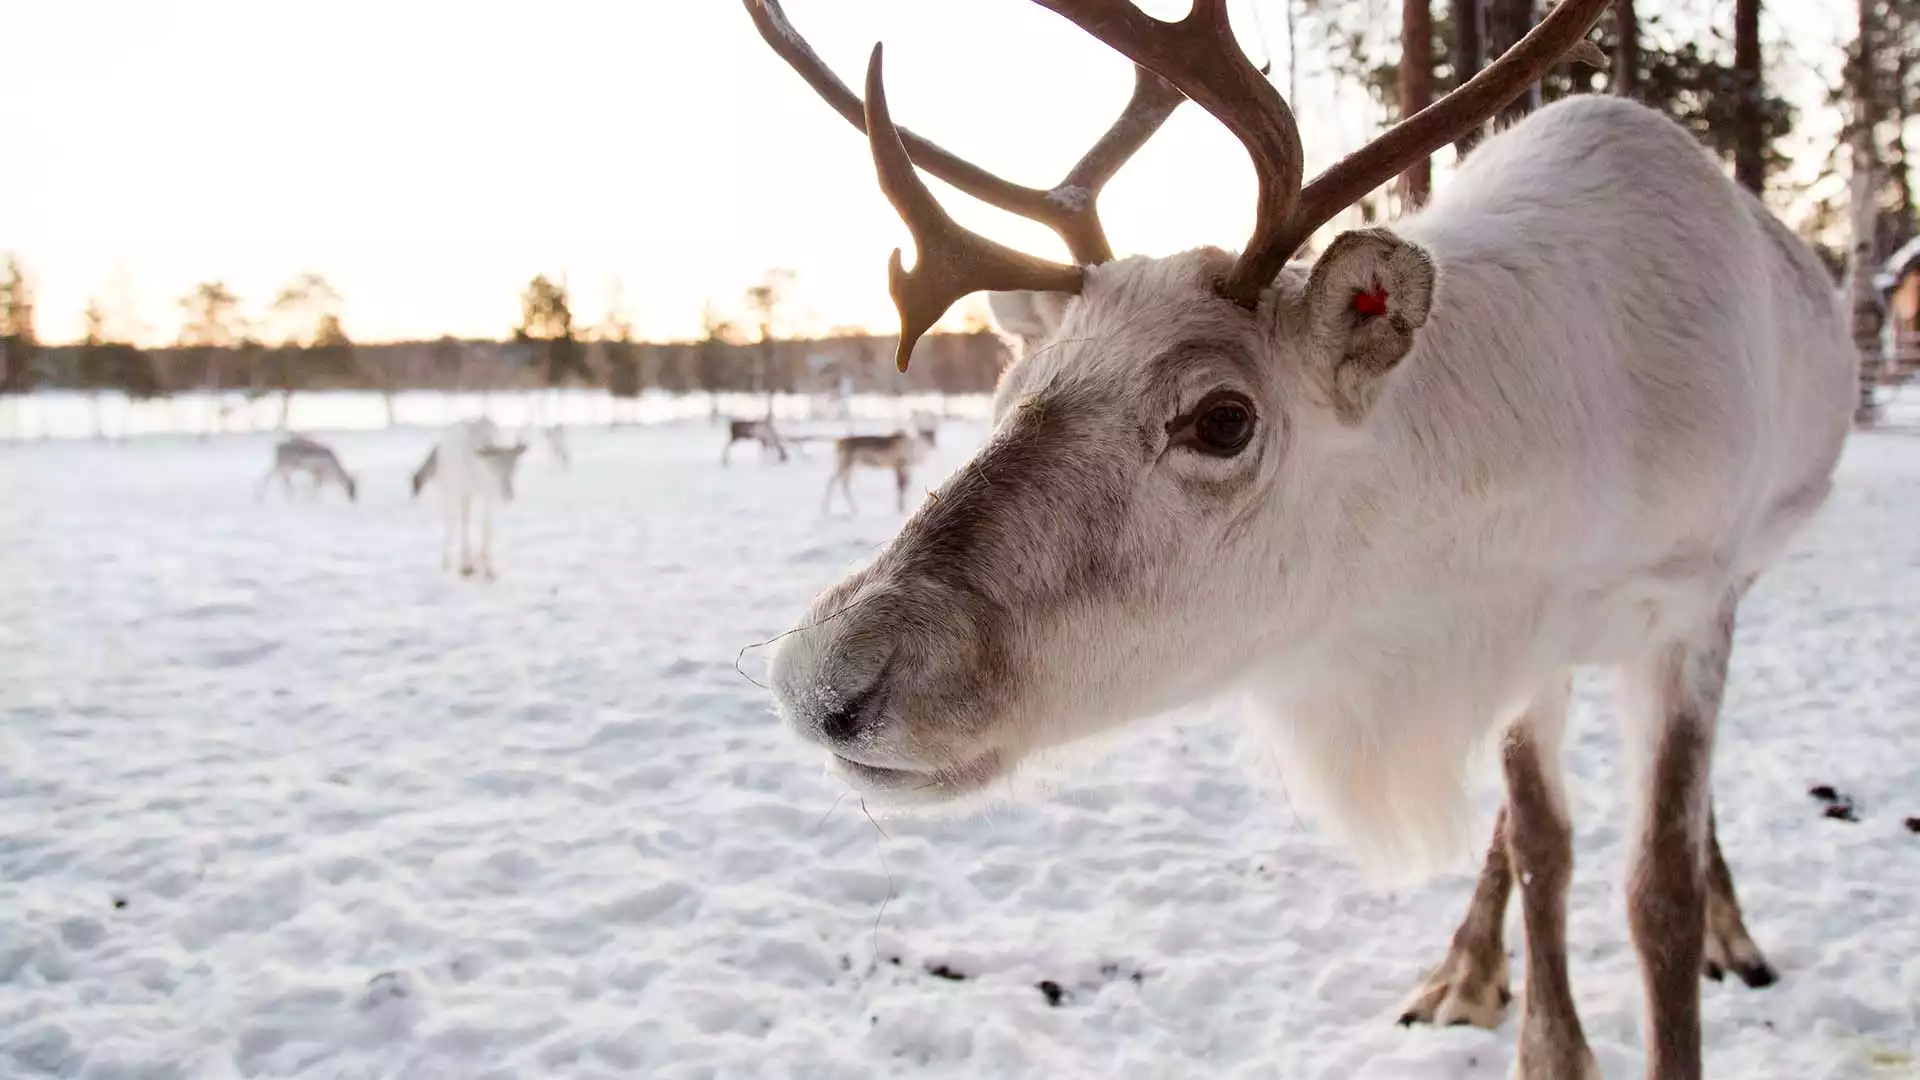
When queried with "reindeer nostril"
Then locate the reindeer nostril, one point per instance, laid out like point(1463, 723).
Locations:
point(851, 720)
point(840, 726)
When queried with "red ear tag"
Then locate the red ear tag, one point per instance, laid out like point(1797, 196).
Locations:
point(1372, 302)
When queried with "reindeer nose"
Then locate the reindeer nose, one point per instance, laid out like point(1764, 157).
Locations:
point(841, 726)
point(851, 719)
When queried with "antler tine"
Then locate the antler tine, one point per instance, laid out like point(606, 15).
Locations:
point(1200, 57)
point(1559, 35)
point(950, 262)
point(1153, 100)
point(1067, 208)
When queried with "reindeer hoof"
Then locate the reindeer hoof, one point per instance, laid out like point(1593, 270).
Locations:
point(1730, 949)
point(1757, 975)
point(466, 571)
point(1461, 992)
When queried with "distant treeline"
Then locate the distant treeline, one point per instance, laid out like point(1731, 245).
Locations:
point(948, 363)
point(222, 348)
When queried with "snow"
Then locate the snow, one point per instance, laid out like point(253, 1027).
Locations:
point(278, 799)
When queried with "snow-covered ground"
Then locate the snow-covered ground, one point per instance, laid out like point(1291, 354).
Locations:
point(279, 799)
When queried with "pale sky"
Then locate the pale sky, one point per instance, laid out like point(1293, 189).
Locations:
point(429, 156)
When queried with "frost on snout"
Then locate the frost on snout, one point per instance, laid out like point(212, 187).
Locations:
point(928, 671)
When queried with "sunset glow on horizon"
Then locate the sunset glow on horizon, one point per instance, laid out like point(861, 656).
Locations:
point(429, 158)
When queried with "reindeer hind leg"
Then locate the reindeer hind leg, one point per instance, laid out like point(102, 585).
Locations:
point(1728, 946)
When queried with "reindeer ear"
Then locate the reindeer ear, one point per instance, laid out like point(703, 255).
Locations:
point(1026, 319)
point(1365, 298)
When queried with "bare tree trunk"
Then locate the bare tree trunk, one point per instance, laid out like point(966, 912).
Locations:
point(1416, 89)
point(1749, 148)
point(1507, 22)
point(286, 408)
point(1626, 52)
point(1293, 52)
point(1469, 56)
point(1860, 271)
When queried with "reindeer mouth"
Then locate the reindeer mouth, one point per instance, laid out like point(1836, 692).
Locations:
point(921, 786)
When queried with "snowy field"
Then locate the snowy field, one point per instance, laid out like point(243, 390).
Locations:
point(278, 799)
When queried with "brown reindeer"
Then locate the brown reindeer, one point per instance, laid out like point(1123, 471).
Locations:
point(760, 431)
point(900, 451)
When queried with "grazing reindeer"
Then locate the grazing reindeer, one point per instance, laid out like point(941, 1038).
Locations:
point(472, 468)
point(1563, 415)
point(900, 451)
point(316, 459)
point(760, 431)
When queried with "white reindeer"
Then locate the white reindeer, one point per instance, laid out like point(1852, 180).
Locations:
point(299, 454)
point(1562, 416)
point(474, 470)
point(900, 451)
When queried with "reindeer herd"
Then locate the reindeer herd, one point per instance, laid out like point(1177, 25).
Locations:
point(473, 466)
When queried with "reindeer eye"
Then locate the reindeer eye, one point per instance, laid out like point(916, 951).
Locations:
point(1224, 427)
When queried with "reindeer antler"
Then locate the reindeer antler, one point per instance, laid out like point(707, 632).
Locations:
point(1561, 35)
point(1195, 57)
point(1199, 56)
point(1068, 208)
point(950, 261)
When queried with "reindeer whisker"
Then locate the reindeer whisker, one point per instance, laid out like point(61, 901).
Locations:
point(885, 869)
point(822, 621)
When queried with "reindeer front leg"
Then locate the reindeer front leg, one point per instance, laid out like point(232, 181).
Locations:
point(1470, 985)
point(1540, 846)
point(1676, 694)
point(900, 479)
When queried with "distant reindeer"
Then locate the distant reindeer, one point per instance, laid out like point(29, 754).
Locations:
point(556, 436)
point(472, 468)
point(316, 459)
point(900, 451)
point(760, 431)
point(1392, 494)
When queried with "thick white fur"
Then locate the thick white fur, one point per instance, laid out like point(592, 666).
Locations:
point(1631, 386)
